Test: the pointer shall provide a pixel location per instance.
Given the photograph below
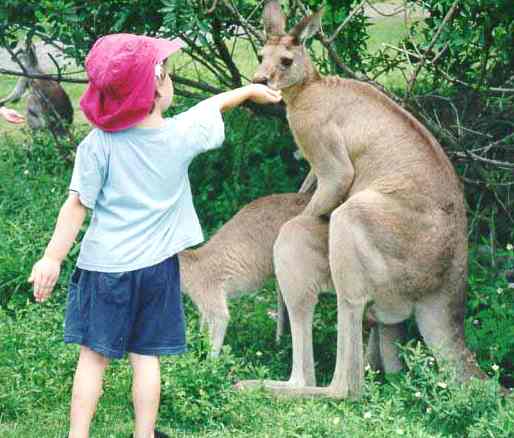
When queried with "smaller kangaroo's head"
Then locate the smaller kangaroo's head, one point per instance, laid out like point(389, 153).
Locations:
point(285, 61)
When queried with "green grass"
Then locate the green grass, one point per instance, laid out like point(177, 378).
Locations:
point(198, 399)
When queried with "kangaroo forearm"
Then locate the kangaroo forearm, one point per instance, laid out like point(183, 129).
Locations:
point(328, 196)
point(70, 219)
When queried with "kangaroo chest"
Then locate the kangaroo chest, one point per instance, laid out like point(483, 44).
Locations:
point(306, 133)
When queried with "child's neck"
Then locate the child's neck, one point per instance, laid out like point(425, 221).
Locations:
point(152, 120)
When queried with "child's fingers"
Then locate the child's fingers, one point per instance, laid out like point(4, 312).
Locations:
point(275, 95)
point(38, 283)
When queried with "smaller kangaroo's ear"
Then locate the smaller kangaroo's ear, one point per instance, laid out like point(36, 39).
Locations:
point(273, 18)
point(308, 27)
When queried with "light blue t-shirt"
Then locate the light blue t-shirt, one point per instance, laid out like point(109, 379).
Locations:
point(136, 182)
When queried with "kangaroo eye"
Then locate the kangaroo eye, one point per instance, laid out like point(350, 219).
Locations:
point(286, 62)
point(259, 58)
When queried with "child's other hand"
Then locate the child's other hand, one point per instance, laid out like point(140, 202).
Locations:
point(44, 276)
point(263, 94)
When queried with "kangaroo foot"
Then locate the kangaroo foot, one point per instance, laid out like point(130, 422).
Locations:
point(288, 389)
point(266, 384)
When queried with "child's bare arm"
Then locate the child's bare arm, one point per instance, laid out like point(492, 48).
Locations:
point(256, 92)
point(46, 271)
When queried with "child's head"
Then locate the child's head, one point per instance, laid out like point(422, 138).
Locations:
point(127, 80)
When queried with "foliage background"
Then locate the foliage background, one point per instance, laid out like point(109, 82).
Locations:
point(464, 97)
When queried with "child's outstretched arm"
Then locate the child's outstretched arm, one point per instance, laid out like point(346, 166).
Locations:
point(45, 272)
point(258, 93)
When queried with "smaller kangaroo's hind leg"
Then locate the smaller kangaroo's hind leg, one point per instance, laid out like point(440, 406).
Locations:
point(215, 319)
point(382, 352)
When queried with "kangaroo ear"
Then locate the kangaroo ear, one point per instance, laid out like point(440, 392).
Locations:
point(274, 20)
point(308, 27)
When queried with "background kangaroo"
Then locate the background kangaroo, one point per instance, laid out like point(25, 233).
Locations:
point(48, 105)
point(397, 233)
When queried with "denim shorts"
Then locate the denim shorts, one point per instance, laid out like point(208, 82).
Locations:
point(137, 311)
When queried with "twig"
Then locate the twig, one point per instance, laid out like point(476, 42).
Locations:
point(213, 7)
point(196, 84)
point(57, 66)
point(446, 75)
point(397, 11)
point(346, 21)
point(469, 154)
point(244, 22)
point(447, 18)
point(42, 76)
point(225, 54)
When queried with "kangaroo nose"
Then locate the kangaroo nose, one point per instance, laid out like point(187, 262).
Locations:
point(260, 80)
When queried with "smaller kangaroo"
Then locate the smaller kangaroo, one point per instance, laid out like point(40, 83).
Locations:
point(237, 260)
point(48, 105)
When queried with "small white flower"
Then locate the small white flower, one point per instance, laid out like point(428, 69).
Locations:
point(25, 172)
point(258, 354)
point(399, 431)
point(417, 395)
point(367, 367)
point(499, 291)
point(367, 415)
point(272, 314)
point(336, 420)
point(495, 367)
point(442, 385)
point(429, 409)
point(476, 322)
point(510, 247)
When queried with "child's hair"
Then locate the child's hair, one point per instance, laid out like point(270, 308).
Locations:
point(163, 71)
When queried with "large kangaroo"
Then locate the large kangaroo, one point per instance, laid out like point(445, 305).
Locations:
point(48, 105)
point(397, 233)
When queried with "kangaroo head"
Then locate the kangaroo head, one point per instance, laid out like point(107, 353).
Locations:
point(285, 61)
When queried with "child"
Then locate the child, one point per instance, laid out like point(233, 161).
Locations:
point(124, 295)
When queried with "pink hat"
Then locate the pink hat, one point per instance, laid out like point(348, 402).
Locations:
point(121, 72)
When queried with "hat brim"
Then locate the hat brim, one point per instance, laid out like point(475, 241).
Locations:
point(166, 48)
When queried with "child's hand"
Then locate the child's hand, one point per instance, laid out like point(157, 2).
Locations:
point(44, 276)
point(12, 116)
point(263, 94)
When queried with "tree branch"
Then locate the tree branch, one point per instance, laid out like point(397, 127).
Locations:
point(446, 20)
point(346, 21)
point(49, 77)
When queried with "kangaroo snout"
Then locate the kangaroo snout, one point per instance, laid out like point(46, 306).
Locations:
point(258, 79)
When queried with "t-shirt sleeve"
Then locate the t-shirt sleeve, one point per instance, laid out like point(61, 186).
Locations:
point(90, 169)
point(202, 127)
